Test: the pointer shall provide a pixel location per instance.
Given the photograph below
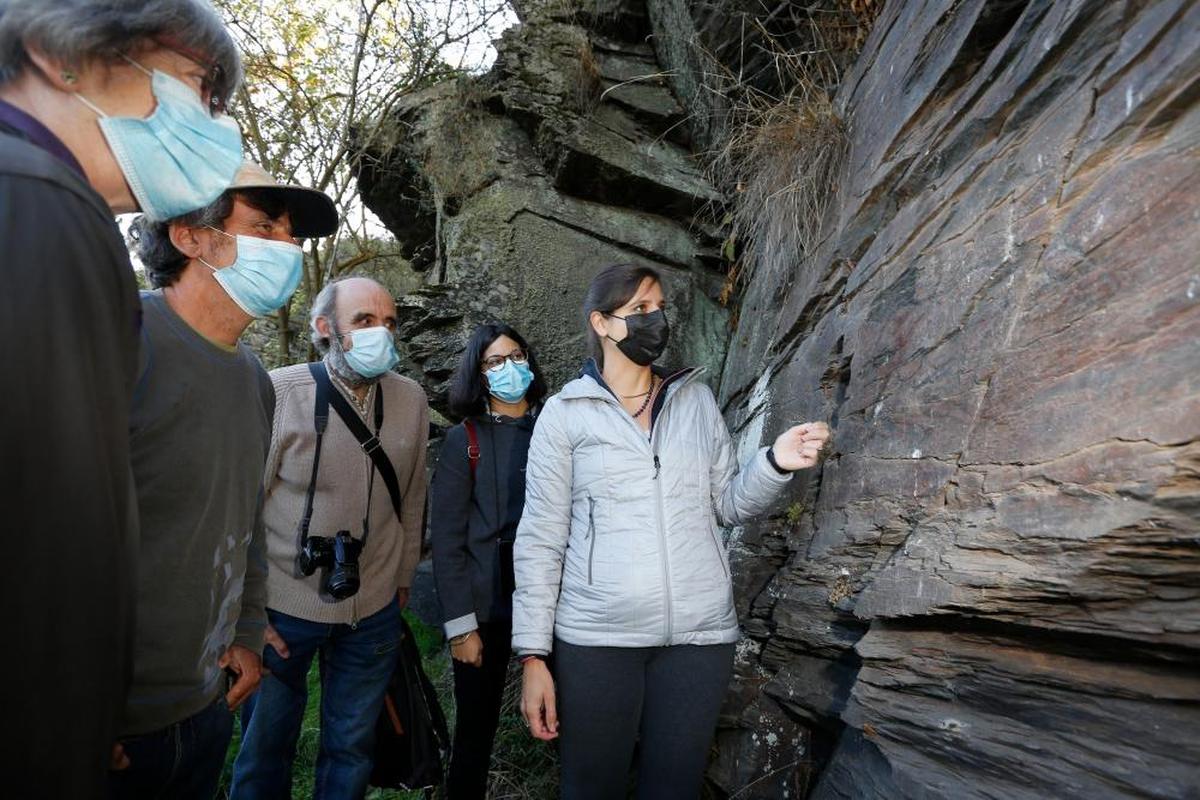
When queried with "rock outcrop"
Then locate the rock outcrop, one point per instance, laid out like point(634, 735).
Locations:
point(991, 588)
point(514, 188)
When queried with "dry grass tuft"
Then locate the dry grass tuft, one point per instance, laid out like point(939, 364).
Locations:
point(589, 85)
point(782, 151)
point(781, 159)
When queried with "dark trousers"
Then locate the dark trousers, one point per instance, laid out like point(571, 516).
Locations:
point(610, 698)
point(478, 693)
point(182, 761)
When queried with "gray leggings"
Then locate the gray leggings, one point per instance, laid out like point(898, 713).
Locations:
point(609, 698)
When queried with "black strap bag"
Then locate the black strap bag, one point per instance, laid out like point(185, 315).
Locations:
point(411, 737)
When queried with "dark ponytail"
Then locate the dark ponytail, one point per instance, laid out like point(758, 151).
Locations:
point(612, 288)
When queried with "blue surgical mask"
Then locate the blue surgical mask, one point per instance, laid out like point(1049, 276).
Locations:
point(263, 277)
point(510, 381)
point(372, 351)
point(178, 159)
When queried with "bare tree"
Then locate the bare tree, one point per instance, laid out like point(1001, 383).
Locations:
point(322, 77)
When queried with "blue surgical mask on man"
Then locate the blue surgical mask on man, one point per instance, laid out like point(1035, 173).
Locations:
point(264, 275)
point(178, 159)
point(510, 381)
point(372, 351)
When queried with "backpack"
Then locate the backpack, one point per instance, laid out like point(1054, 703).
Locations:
point(411, 738)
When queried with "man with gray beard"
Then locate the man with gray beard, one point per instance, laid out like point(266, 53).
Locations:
point(345, 493)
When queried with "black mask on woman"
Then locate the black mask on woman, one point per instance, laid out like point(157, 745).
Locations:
point(646, 336)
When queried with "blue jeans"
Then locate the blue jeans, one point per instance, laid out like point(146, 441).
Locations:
point(356, 663)
point(181, 761)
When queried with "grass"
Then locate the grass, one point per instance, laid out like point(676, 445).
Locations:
point(522, 768)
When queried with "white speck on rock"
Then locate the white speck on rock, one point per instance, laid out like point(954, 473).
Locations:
point(916, 453)
point(1193, 287)
point(953, 725)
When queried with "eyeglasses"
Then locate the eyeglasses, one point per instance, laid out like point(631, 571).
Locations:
point(493, 363)
point(214, 74)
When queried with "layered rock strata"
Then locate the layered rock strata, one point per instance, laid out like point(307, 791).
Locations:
point(992, 588)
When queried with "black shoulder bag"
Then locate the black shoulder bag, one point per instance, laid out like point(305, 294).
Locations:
point(411, 737)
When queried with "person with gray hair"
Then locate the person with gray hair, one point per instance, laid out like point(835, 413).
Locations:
point(343, 508)
point(106, 106)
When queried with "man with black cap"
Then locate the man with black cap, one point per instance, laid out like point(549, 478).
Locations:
point(200, 429)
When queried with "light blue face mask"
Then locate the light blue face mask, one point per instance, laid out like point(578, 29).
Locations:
point(178, 159)
point(510, 381)
point(372, 351)
point(263, 277)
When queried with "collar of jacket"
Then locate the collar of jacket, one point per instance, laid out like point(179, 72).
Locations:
point(526, 420)
point(590, 383)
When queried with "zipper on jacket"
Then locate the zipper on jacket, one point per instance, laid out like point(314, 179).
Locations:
point(591, 535)
point(665, 560)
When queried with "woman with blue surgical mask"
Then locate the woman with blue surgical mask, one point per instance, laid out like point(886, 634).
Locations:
point(64, 173)
point(477, 496)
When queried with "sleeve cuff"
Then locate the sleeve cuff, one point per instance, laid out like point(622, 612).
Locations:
point(771, 471)
point(460, 625)
point(775, 464)
point(252, 640)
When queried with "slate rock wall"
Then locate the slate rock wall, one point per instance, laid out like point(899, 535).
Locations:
point(992, 587)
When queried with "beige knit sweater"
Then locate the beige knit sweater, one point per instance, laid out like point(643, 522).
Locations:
point(393, 547)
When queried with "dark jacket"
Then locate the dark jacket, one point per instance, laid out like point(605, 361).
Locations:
point(69, 313)
point(472, 523)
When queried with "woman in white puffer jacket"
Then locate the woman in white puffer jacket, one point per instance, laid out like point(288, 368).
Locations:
point(620, 570)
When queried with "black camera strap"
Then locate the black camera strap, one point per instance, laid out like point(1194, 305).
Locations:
point(327, 395)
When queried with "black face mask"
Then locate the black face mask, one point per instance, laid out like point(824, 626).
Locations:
point(646, 336)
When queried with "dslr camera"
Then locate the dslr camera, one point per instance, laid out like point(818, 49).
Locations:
point(338, 554)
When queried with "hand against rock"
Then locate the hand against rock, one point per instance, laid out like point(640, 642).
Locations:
point(799, 447)
point(469, 650)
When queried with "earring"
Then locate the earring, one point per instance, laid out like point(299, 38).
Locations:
point(68, 76)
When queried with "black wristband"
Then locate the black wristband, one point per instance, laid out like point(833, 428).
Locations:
point(775, 464)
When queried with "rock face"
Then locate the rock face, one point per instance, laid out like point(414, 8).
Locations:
point(515, 188)
point(991, 589)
